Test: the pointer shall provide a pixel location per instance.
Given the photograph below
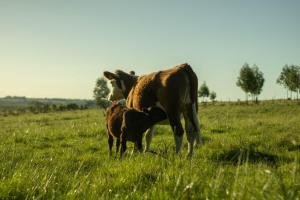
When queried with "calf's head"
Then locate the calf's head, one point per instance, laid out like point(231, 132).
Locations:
point(135, 123)
point(120, 84)
point(155, 114)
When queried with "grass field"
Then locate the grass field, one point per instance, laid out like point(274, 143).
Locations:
point(250, 152)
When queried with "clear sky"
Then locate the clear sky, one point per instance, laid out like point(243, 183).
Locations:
point(58, 48)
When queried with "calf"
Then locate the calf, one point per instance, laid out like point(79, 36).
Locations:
point(129, 125)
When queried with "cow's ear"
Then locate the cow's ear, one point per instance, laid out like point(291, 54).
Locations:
point(110, 75)
point(132, 73)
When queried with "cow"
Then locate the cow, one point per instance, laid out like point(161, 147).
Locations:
point(174, 90)
point(126, 124)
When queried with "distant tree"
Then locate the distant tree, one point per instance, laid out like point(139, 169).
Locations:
point(203, 91)
point(212, 96)
point(90, 104)
point(283, 79)
point(246, 79)
point(297, 81)
point(72, 106)
point(39, 107)
point(62, 107)
point(54, 107)
point(251, 81)
point(46, 108)
point(100, 91)
point(290, 79)
point(83, 107)
point(259, 82)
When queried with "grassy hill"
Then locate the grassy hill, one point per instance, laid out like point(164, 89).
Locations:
point(250, 152)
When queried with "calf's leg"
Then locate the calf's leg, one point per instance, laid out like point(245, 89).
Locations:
point(123, 146)
point(148, 137)
point(110, 143)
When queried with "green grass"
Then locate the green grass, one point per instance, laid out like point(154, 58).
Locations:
point(250, 152)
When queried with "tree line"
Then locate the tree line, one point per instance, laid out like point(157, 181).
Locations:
point(204, 93)
point(251, 80)
point(38, 107)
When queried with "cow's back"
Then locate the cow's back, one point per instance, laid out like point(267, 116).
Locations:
point(160, 89)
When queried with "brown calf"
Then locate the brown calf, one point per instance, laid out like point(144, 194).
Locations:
point(129, 125)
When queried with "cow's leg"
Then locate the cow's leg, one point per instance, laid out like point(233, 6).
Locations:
point(177, 130)
point(196, 121)
point(110, 143)
point(191, 127)
point(139, 145)
point(148, 137)
point(123, 148)
point(118, 145)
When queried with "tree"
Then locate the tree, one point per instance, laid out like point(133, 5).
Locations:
point(203, 91)
point(251, 81)
point(294, 79)
point(259, 82)
point(100, 91)
point(283, 79)
point(212, 96)
point(245, 80)
point(290, 79)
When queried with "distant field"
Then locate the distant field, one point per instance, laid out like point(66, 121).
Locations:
point(23, 102)
point(250, 152)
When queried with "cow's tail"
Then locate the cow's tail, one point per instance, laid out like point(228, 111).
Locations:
point(193, 81)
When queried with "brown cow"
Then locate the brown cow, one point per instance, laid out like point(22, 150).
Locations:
point(174, 90)
point(129, 125)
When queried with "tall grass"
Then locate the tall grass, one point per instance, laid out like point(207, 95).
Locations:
point(250, 152)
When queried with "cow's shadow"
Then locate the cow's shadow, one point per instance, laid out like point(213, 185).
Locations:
point(243, 155)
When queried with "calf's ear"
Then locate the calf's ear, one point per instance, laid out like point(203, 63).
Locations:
point(110, 75)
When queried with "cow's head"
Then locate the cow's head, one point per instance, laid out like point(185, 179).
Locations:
point(120, 84)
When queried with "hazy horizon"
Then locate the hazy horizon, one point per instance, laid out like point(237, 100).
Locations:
point(57, 49)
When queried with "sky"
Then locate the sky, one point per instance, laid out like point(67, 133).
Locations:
point(59, 48)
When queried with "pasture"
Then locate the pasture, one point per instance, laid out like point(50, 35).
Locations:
point(249, 152)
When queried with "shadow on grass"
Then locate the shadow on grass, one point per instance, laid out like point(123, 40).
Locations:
point(42, 145)
point(220, 129)
point(148, 177)
point(246, 155)
point(93, 149)
point(290, 145)
point(294, 148)
point(217, 130)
